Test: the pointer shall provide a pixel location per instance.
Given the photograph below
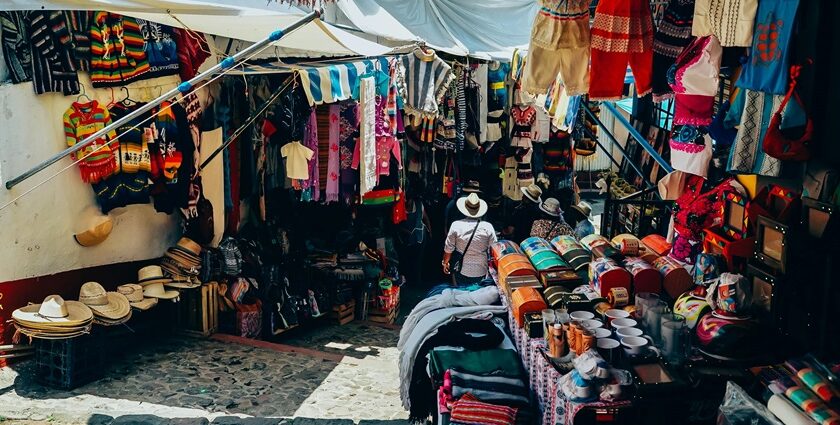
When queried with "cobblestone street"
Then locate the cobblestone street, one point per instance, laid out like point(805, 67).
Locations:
point(327, 374)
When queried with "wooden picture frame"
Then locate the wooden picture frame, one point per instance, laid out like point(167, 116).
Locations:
point(772, 244)
point(735, 217)
point(818, 218)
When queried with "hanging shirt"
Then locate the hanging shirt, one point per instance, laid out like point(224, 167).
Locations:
point(766, 69)
point(14, 35)
point(159, 46)
point(117, 55)
point(82, 120)
point(426, 76)
point(297, 160)
point(54, 69)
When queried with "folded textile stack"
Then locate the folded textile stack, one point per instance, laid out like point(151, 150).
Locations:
point(54, 318)
point(182, 263)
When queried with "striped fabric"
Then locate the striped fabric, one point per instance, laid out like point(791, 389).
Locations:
point(427, 77)
point(14, 36)
point(117, 55)
point(468, 410)
point(490, 388)
point(78, 23)
point(336, 82)
point(54, 69)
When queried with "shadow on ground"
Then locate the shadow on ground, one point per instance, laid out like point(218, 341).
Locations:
point(228, 420)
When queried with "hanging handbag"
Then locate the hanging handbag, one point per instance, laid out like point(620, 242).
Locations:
point(777, 144)
point(456, 260)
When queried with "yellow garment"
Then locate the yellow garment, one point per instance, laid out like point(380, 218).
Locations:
point(297, 160)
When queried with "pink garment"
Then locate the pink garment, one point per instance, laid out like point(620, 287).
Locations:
point(333, 166)
point(695, 82)
point(312, 186)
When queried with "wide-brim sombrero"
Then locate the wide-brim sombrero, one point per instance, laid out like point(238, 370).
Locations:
point(77, 314)
point(117, 307)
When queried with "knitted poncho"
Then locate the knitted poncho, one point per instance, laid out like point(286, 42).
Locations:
point(426, 78)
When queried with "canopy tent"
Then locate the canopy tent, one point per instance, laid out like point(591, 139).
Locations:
point(489, 29)
point(231, 22)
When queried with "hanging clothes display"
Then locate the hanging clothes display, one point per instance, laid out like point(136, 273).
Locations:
point(53, 66)
point(560, 43)
point(766, 69)
point(497, 92)
point(622, 34)
point(367, 135)
point(672, 35)
point(524, 118)
point(192, 51)
point(731, 21)
point(311, 185)
point(117, 55)
point(753, 110)
point(14, 39)
point(159, 46)
point(691, 150)
point(130, 182)
point(172, 153)
point(426, 77)
point(297, 160)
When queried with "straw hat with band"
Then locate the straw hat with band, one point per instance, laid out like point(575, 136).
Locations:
point(109, 305)
point(471, 186)
point(584, 209)
point(156, 290)
point(151, 274)
point(134, 294)
point(54, 312)
point(92, 227)
point(189, 245)
point(551, 207)
point(472, 206)
point(184, 283)
point(532, 192)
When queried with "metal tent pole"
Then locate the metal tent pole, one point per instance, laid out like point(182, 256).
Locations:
point(184, 87)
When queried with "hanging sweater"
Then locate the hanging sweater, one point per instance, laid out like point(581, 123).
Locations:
point(14, 35)
point(82, 120)
point(159, 45)
point(117, 55)
point(78, 23)
point(54, 69)
point(427, 77)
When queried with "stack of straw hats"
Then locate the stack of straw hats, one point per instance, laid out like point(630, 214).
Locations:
point(54, 318)
point(182, 263)
point(152, 280)
point(109, 308)
point(134, 294)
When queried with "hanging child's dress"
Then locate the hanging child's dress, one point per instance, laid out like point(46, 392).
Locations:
point(521, 145)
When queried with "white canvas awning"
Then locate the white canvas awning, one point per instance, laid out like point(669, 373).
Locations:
point(232, 22)
point(489, 29)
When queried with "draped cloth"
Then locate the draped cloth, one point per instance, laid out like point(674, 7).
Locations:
point(367, 139)
point(334, 158)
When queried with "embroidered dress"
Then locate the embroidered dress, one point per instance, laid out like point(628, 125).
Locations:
point(622, 34)
point(82, 120)
point(672, 35)
point(691, 150)
point(14, 36)
point(524, 119)
point(53, 66)
point(694, 77)
point(766, 69)
point(730, 20)
point(117, 55)
point(559, 44)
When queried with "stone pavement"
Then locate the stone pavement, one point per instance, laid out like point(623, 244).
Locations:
point(351, 377)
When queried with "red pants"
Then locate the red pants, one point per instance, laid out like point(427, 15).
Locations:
point(622, 34)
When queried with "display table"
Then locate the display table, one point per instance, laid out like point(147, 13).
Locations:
point(554, 408)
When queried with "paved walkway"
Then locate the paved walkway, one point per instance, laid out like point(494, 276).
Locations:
point(326, 375)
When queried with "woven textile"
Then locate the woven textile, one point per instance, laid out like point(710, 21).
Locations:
point(730, 20)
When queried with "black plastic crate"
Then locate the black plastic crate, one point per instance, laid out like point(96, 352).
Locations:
point(68, 363)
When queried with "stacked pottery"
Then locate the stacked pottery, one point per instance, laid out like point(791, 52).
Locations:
point(109, 308)
point(182, 263)
point(54, 318)
point(152, 281)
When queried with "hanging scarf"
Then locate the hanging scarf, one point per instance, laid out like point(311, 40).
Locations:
point(334, 159)
point(348, 125)
point(311, 187)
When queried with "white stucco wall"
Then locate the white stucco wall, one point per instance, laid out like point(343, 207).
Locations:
point(36, 232)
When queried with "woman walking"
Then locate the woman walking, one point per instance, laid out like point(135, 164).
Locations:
point(465, 249)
